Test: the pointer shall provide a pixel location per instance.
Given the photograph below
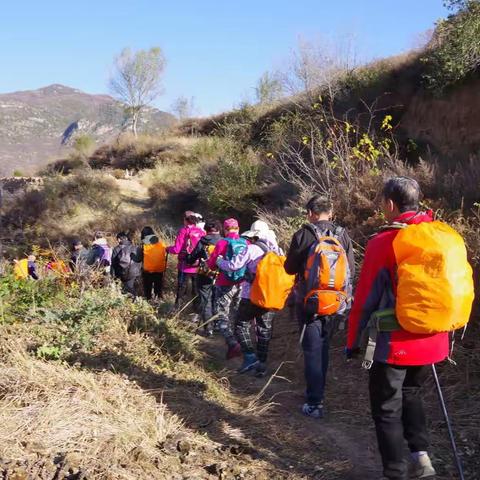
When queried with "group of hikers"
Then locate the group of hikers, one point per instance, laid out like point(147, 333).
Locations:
point(414, 288)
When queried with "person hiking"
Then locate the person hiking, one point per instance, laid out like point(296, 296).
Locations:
point(152, 255)
point(78, 256)
point(125, 266)
point(26, 268)
point(317, 328)
point(401, 359)
point(227, 287)
point(205, 276)
point(185, 242)
point(100, 254)
point(261, 241)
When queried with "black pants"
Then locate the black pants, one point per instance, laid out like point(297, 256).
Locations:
point(248, 312)
point(397, 410)
point(204, 306)
point(152, 281)
point(129, 287)
point(182, 286)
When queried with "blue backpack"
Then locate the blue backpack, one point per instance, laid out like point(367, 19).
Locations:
point(236, 246)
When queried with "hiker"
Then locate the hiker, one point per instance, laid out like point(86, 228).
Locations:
point(205, 276)
point(227, 284)
point(261, 241)
point(78, 256)
point(317, 322)
point(401, 360)
point(185, 242)
point(124, 264)
point(100, 254)
point(152, 255)
point(26, 268)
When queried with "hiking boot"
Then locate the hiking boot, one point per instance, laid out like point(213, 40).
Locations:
point(422, 467)
point(314, 411)
point(234, 351)
point(261, 370)
point(250, 362)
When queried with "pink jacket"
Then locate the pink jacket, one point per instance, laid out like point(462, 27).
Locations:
point(221, 250)
point(186, 240)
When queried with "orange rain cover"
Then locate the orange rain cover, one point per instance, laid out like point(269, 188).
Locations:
point(435, 281)
point(155, 257)
point(272, 284)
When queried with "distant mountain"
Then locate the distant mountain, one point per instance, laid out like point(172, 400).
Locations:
point(38, 126)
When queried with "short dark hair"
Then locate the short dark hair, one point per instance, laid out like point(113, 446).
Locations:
point(404, 192)
point(319, 204)
point(123, 236)
point(213, 226)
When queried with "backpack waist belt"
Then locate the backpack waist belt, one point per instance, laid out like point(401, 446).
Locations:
point(380, 321)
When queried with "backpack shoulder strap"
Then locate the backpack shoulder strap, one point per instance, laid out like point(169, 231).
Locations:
point(263, 246)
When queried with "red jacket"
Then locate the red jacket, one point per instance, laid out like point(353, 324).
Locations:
point(377, 277)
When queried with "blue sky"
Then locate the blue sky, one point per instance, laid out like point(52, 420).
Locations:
point(215, 49)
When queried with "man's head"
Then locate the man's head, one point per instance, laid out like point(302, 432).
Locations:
point(77, 244)
point(399, 195)
point(123, 237)
point(212, 227)
point(319, 208)
point(146, 231)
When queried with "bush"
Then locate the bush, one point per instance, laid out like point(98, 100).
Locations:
point(454, 52)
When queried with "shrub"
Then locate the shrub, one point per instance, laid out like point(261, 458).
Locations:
point(454, 52)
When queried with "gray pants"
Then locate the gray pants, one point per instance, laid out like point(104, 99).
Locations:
point(226, 304)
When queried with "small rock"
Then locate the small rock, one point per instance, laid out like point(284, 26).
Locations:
point(184, 446)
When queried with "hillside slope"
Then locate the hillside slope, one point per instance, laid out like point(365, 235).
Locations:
point(37, 125)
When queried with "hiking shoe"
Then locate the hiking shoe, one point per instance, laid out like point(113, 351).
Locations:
point(261, 369)
point(234, 351)
point(314, 411)
point(250, 362)
point(422, 468)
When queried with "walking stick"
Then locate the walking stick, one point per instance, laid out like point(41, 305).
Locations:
point(449, 426)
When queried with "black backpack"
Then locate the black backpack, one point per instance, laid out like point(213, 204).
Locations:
point(125, 267)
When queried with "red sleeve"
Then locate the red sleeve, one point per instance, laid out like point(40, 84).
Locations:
point(219, 250)
point(375, 277)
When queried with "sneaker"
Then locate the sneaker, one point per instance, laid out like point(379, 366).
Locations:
point(314, 411)
point(234, 351)
point(250, 361)
point(422, 467)
point(261, 369)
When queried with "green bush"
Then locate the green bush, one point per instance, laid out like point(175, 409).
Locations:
point(454, 52)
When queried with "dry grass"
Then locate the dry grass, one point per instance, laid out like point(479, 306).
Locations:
point(103, 418)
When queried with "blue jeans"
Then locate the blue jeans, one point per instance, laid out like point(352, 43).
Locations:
point(316, 346)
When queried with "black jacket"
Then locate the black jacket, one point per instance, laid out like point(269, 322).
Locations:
point(200, 250)
point(303, 240)
point(124, 264)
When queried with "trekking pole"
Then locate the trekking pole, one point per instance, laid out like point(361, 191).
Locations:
point(449, 426)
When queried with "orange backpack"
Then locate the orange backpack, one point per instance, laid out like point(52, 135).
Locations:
point(155, 257)
point(272, 285)
point(327, 278)
point(435, 281)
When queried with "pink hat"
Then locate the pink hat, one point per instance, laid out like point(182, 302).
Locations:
point(230, 224)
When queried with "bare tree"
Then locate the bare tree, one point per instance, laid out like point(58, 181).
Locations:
point(136, 80)
point(183, 107)
point(268, 88)
point(319, 63)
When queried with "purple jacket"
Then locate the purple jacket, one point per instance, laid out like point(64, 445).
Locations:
point(250, 258)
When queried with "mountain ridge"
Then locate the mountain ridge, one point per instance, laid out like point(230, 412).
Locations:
point(37, 126)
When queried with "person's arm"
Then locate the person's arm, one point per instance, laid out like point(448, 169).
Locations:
point(177, 247)
point(137, 254)
point(197, 253)
point(237, 262)
point(374, 279)
point(346, 242)
point(219, 249)
point(297, 253)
